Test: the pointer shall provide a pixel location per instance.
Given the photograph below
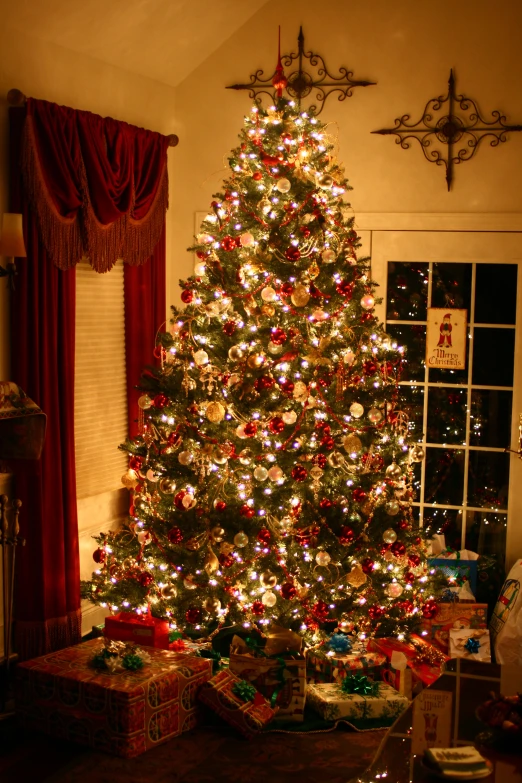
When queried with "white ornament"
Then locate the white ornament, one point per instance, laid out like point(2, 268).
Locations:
point(367, 302)
point(268, 294)
point(260, 473)
point(320, 315)
point(356, 410)
point(274, 348)
point(188, 500)
point(394, 590)
point(348, 357)
point(269, 598)
point(283, 185)
point(199, 269)
point(275, 473)
point(201, 358)
point(328, 256)
point(240, 432)
point(289, 417)
point(375, 415)
point(389, 536)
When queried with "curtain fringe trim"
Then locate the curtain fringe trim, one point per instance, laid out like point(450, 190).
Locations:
point(68, 240)
point(39, 637)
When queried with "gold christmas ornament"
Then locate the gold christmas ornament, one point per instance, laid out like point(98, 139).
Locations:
point(168, 592)
point(167, 486)
point(212, 605)
point(275, 473)
point(313, 271)
point(260, 473)
point(269, 598)
point(300, 392)
point(215, 412)
point(189, 582)
point(268, 294)
point(389, 536)
point(268, 579)
point(348, 357)
point(255, 360)
point(335, 459)
point(289, 417)
point(217, 533)
point(322, 558)
point(300, 296)
point(201, 358)
point(356, 577)
point(374, 415)
point(325, 182)
point(275, 348)
point(394, 471)
point(417, 453)
point(352, 444)
point(185, 457)
point(241, 540)
point(283, 185)
point(144, 402)
point(356, 410)
point(246, 456)
point(211, 562)
point(268, 309)
point(235, 353)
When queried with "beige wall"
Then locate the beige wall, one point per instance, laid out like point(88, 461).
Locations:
point(53, 73)
point(408, 48)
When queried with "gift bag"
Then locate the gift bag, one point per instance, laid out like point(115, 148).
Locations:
point(506, 622)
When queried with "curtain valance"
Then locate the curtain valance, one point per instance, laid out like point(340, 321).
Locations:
point(98, 187)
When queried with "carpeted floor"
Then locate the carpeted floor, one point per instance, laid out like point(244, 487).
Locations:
point(205, 755)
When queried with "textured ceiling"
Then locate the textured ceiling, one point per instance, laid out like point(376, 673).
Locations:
point(161, 39)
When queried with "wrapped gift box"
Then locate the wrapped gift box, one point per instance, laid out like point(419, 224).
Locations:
point(248, 717)
point(142, 629)
point(278, 671)
point(475, 645)
point(457, 569)
point(124, 714)
point(454, 615)
point(332, 703)
point(323, 665)
point(425, 661)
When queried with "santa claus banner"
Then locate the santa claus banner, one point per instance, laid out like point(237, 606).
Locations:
point(446, 337)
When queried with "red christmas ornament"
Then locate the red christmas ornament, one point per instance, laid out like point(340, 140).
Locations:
point(398, 548)
point(417, 541)
point(370, 367)
point(346, 535)
point(299, 473)
point(278, 336)
point(325, 503)
point(226, 560)
point(257, 176)
point(178, 500)
point(429, 610)
point(145, 579)
point(387, 368)
point(404, 524)
point(328, 442)
point(287, 387)
point(375, 612)
point(345, 288)
point(323, 427)
point(414, 560)
point(135, 463)
point(263, 382)
point(246, 511)
point(175, 535)
point(229, 327)
point(201, 254)
point(359, 495)
point(366, 317)
point(187, 296)
point(264, 536)
point(320, 461)
point(287, 289)
point(305, 231)
point(160, 400)
point(408, 606)
point(228, 243)
point(193, 616)
point(258, 608)
point(250, 429)
point(220, 506)
point(173, 438)
point(276, 425)
point(288, 591)
point(99, 555)
point(367, 565)
point(293, 253)
point(311, 624)
point(409, 577)
point(320, 611)
point(238, 241)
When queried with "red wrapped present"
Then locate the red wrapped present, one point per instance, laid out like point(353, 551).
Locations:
point(324, 665)
point(454, 615)
point(425, 661)
point(125, 714)
point(140, 628)
point(247, 712)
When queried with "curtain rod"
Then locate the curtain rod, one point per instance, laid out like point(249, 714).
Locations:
point(17, 98)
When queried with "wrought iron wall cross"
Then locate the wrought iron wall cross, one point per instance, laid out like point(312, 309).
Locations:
point(450, 130)
point(299, 83)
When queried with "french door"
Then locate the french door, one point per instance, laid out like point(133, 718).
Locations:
point(468, 486)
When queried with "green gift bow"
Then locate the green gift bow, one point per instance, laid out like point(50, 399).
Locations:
point(244, 690)
point(254, 644)
point(360, 684)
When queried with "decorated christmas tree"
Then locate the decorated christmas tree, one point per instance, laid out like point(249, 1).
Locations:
point(272, 480)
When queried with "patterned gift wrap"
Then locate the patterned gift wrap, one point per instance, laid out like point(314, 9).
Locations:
point(425, 662)
point(249, 717)
point(454, 615)
point(325, 666)
point(144, 629)
point(280, 680)
point(124, 714)
point(332, 703)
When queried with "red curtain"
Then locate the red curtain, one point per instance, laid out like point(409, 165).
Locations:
point(84, 185)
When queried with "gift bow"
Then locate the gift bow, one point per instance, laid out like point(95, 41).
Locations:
point(244, 690)
point(472, 645)
point(339, 643)
point(360, 684)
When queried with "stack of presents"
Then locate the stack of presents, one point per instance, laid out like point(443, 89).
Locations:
point(137, 687)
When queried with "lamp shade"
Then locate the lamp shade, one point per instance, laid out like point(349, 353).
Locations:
point(22, 424)
point(12, 237)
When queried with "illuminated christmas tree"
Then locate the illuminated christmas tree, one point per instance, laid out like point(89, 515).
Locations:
point(272, 481)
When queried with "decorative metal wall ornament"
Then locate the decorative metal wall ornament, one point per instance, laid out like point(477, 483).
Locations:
point(299, 83)
point(450, 130)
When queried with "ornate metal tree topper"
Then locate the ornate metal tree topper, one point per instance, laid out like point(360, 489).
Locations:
point(450, 129)
point(300, 83)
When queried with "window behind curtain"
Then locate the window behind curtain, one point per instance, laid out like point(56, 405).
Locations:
point(100, 404)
